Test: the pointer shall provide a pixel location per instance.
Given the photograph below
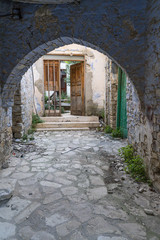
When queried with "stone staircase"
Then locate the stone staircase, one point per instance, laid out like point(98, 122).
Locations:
point(68, 123)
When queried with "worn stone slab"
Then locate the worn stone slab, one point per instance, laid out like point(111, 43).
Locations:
point(134, 230)
point(50, 184)
point(55, 220)
point(27, 212)
point(41, 235)
point(21, 175)
point(98, 225)
point(111, 238)
point(51, 198)
point(64, 229)
point(97, 193)
point(13, 207)
point(96, 180)
point(26, 233)
point(69, 190)
point(77, 236)
point(7, 230)
point(111, 212)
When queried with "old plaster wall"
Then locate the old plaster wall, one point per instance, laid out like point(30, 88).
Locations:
point(38, 75)
point(95, 63)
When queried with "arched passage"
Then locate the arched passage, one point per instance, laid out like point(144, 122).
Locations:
point(18, 71)
point(23, 65)
point(118, 28)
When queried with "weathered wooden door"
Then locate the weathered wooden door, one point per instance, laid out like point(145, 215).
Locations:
point(77, 89)
point(52, 87)
point(122, 104)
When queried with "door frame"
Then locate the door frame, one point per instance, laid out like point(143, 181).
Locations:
point(82, 88)
point(62, 58)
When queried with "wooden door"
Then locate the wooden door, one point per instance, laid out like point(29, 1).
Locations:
point(77, 89)
point(122, 104)
point(52, 87)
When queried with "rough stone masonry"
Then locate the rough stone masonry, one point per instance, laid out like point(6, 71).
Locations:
point(128, 31)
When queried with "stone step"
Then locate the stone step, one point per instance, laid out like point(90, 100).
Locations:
point(71, 119)
point(68, 125)
point(62, 129)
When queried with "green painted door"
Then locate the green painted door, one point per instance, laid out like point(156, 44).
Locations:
point(122, 104)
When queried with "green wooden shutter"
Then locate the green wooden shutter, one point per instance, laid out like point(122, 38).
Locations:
point(121, 103)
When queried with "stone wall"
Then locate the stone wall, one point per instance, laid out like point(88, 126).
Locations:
point(5, 134)
point(17, 122)
point(23, 106)
point(111, 93)
point(144, 124)
point(116, 28)
point(152, 89)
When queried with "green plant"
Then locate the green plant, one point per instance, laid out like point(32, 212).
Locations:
point(31, 131)
point(126, 153)
point(35, 119)
point(108, 129)
point(117, 133)
point(45, 99)
point(25, 137)
point(102, 114)
point(31, 138)
point(99, 129)
point(62, 110)
point(63, 95)
point(134, 164)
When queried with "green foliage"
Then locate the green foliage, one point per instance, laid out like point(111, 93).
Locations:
point(117, 133)
point(126, 153)
point(64, 95)
point(31, 131)
point(108, 129)
point(45, 99)
point(36, 119)
point(102, 114)
point(134, 164)
point(31, 138)
point(25, 137)
point(62, 110)
point(69, 63)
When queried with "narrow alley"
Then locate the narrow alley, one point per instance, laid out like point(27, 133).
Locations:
point(72, 186)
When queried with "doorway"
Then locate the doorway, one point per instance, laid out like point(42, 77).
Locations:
point(64, 86)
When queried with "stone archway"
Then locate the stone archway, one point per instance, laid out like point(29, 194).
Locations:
point(22, 67)
point(117, 28)
point(19, 70)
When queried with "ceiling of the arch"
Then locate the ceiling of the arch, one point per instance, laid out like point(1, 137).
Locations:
point(46, 1)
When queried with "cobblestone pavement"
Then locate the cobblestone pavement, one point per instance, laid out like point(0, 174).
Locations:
point(71, 185)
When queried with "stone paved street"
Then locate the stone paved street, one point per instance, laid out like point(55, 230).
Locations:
point(71, 185)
